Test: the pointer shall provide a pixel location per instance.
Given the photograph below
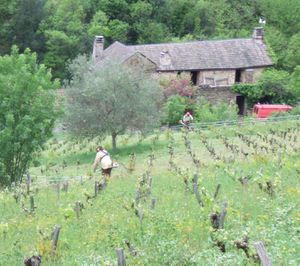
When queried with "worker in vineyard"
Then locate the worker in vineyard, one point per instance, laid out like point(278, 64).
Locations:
point(103, 158)
point(187, 119)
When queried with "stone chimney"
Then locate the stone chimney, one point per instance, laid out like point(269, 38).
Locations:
point(258, 33)
point(98, 47)
point(165, 58)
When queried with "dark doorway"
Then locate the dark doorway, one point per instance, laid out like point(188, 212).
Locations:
point(240, 101)
point(194, 77)
point(238, 73)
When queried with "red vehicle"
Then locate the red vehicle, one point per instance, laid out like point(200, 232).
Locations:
point(265, 110)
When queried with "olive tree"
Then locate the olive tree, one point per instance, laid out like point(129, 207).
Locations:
point(27, 112)
point(107, 99)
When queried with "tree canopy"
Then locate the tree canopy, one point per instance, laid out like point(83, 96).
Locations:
point(110, 99)
point(61, 30)
point(27, 112)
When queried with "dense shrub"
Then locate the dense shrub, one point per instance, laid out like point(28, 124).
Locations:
point(181, 85)
point(274, 86)
point(202, 110)
point(174, 109)
point(206, 112)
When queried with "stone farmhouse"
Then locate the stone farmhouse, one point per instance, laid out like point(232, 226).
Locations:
point(213, 66)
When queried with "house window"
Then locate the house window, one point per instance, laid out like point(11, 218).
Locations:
point(238, 73)
point(194, 77)
point(209, 81)
point(214, 82)
point(221, 82)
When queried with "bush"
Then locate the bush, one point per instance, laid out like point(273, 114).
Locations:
point(295, 111)
point(180, 85)
point(206, 112)
point(202, 110)
point(274, 86)
point(174, 109)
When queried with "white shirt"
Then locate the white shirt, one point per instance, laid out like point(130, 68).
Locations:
point(104, 159)
point(187, 118)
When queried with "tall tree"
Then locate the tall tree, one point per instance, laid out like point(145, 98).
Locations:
point(27, 112)
point(65, 32)
point(110, 99)
point(26, 22)
point(7, 10)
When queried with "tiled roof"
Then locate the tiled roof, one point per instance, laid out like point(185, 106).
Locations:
point(199, 55)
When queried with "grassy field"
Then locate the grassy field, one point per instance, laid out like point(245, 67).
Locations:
point(257, 168)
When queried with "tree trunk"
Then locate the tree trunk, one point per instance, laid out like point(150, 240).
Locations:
point(114, 141)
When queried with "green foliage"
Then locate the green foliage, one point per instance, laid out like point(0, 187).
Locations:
point(61, 30)
point(292, 58)
point(110, 99)
point(27, 112)
point(206, 112)
point(118, 30)
point(274, 84)
point(177, 231)
point(174, 109)
point(202, 110)
point(65, 33)
point(252, 92)
point(294, 83)
point(272, 87)
point(99, 25)
point(26, 20)
point(295, 111)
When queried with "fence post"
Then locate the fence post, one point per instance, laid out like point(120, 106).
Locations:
point(121, 257)
point(262, 254)
point(55, 239)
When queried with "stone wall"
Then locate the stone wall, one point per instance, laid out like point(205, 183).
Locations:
point(216, 95)
point(137, 60)
point(216, 77)
point(251, 75)
point(165, 75)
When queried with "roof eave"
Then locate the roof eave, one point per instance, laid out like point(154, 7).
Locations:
point(217, 68)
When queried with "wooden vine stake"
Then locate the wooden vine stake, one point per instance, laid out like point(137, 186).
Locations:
point(32, 207)
point(55, 239)
point(262, 254)
point(28, 183)
point(121, 257)
point(222, 215)
point(217, 191)
point(96, 188)
point(78, 208)
point(153, 203)
point(58, 190)
point(65, 186)
point(196, 190)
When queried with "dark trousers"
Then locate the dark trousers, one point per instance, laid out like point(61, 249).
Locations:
point(106, 171)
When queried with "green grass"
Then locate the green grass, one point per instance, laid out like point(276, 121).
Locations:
point(178, 231)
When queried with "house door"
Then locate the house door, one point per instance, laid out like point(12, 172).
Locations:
point(194, 77)
point(240, 101)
